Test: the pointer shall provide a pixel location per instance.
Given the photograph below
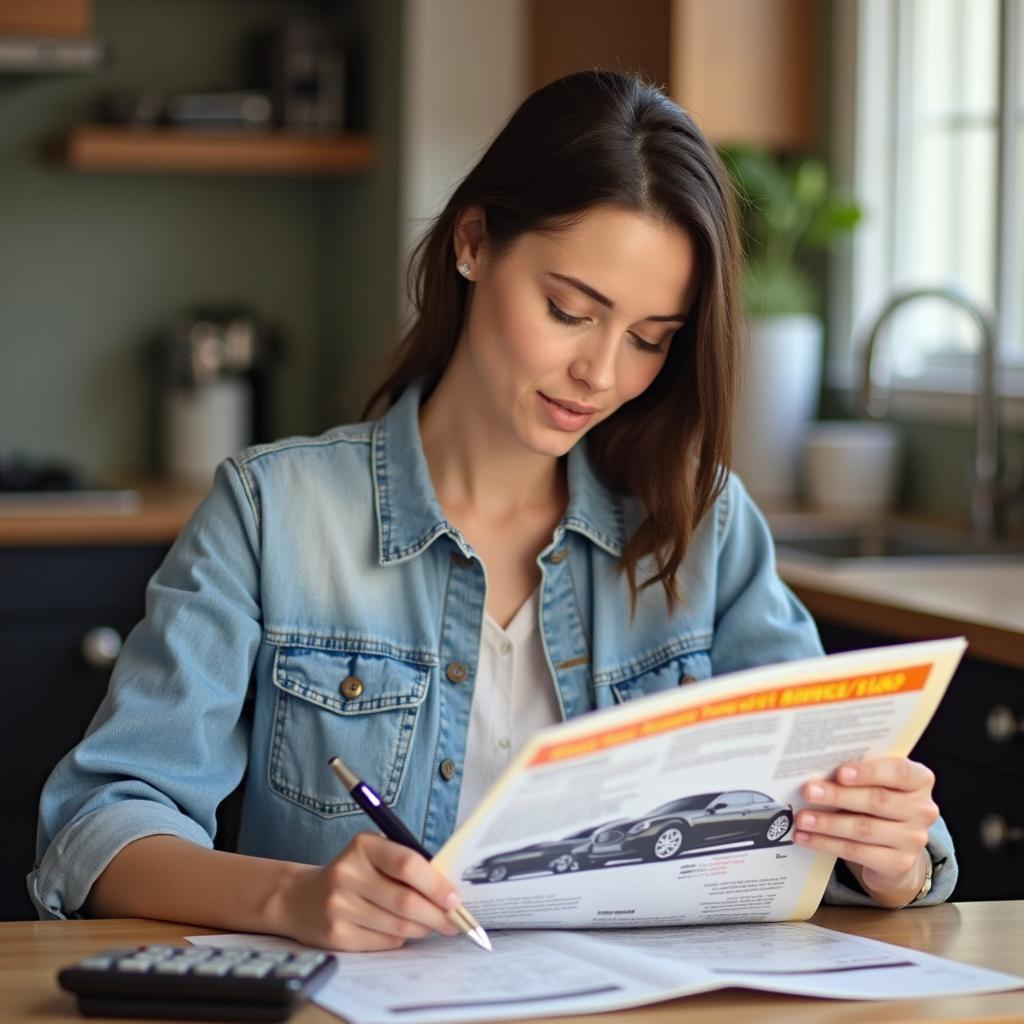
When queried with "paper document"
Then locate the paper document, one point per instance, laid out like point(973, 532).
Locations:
point(551, 973)
point(679, 808)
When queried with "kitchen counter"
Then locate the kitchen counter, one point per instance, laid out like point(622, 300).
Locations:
point(981, 598)
point(162, 510)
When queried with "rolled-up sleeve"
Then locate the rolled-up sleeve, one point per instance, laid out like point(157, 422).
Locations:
point(169, 740)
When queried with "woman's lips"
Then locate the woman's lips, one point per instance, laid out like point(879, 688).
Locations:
point(562, 417)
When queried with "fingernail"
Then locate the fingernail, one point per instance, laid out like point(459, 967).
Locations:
point(815, 792)
point(452, 900)
point(847, 774)
point(807, 820)
point(799, 837)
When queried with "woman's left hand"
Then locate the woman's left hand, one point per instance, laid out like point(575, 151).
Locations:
point(876, 816)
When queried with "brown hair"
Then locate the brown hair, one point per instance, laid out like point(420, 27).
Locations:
point(599, 137)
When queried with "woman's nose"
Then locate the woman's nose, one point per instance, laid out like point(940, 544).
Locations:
point(594, 364)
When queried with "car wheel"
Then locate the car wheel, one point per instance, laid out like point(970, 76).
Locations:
point(498, 873)
point(668, 842)
point(564, 863)
point(778, 827)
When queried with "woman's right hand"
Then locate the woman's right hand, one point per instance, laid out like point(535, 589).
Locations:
point(374, 895)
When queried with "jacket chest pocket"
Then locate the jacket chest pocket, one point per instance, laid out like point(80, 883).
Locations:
point(682, 670)
point(360, 707)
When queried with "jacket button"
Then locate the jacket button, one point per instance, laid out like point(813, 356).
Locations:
point(457, 672)
point(351, 687)
point(447, 769)
point(461, 560)
point(686, 680)
point(558, 556)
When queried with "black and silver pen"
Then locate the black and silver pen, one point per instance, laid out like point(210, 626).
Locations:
point(392, 827)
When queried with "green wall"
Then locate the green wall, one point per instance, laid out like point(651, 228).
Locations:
point(91, 265)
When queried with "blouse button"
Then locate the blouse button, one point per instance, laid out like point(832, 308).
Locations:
point(351, 687)
point(447, 769)
point(457, 672)
point(687, 679)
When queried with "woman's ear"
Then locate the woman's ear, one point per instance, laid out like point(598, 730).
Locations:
point(470, 234)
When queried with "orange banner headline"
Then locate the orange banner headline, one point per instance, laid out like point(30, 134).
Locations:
point(833, 691)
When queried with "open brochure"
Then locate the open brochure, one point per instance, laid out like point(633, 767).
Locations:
point(553, 973)
point(678, 808)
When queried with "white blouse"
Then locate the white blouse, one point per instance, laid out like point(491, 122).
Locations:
point(513, 697)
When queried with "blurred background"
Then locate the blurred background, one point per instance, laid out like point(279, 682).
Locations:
point(205, 212)
point(175, 173)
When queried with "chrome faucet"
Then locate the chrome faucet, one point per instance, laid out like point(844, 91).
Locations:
point(988, 494)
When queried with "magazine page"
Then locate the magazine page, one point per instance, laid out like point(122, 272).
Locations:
point(798, 958)
point(440, 980)
point(678, 808)
point(550, 973)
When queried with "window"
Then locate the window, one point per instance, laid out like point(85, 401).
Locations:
point(930, 101)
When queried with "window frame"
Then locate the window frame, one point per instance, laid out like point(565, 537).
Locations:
point(866, 133)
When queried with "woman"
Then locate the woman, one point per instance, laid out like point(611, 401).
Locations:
point(540, 524)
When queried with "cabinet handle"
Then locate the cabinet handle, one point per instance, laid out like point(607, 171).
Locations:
point(996, 832)
point(1002, 724)
point(101, 646)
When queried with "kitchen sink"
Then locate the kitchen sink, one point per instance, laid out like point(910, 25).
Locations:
point(833, 543)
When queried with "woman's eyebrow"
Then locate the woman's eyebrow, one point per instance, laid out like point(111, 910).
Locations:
point(604, 300)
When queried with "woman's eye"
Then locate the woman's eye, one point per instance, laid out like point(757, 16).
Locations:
point(564, 318)
point(574, 321)
point(647, 346)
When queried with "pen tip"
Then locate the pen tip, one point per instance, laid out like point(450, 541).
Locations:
point(481, 939)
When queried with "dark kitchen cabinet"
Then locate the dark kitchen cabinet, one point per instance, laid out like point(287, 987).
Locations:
point(54, 603)
point(975, 746)
point(53, 600)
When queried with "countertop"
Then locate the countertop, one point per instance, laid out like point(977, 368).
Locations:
point(979, 597)
point(161, 511)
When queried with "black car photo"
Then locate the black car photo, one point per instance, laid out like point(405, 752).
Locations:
point(692, 822)
point(556, 855)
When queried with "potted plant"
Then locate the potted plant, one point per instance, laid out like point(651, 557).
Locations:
point(789, 211)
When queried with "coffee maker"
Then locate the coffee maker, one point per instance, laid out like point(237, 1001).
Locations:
point(213, 379)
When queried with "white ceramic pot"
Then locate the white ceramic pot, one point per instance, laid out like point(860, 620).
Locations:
point(851, 466)
point(778, 397)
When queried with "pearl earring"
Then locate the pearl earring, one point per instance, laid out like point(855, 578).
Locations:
point(464, 269)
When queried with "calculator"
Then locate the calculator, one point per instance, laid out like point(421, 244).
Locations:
point(196, 982)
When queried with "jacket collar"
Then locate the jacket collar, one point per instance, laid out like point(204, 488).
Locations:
point(410, 518)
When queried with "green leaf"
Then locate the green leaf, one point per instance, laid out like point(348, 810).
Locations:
point(788, 209)
point(837, 218)
point(772, 289)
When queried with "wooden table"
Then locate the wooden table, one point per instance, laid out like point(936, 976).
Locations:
point(986, 934)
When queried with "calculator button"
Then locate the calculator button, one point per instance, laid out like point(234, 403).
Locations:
point(213, 968)
point(95, 963)
point(177, 965)
point(310, 957)
point(295, 970)
point(253, 969)
point(135, 966)
point(160, 951)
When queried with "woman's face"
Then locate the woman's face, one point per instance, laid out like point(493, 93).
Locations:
point(566, 328)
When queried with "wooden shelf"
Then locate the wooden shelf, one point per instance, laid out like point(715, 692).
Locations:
point(90, 148)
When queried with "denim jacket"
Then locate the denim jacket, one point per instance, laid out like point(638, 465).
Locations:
point(320, 579)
